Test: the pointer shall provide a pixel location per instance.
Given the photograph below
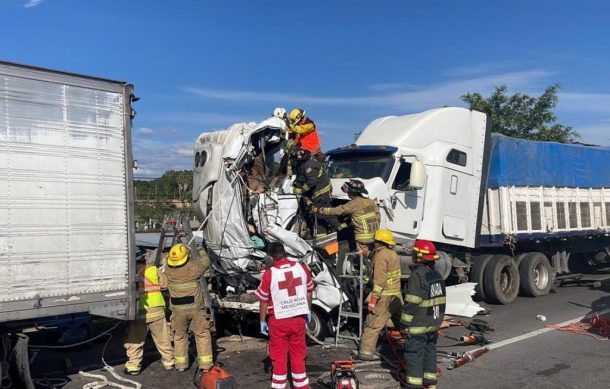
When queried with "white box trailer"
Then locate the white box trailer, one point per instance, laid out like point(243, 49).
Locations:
point(66, 204)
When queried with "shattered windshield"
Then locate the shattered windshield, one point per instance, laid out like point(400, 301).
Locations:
point(360, 165)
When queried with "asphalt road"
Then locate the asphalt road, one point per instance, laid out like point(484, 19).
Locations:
point(550, 360)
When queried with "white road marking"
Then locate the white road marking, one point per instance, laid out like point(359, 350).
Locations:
point(541, 331)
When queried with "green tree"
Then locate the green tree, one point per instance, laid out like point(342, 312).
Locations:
point(523, 116)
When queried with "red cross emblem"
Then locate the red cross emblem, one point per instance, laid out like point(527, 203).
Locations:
point(290, 284)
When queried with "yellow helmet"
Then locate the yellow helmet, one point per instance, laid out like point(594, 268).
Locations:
point(385, 236)
point(296, 115)
point(178, 255)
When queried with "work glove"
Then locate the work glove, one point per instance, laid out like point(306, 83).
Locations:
point(315, 209)
point(297, 191)
point(373, 303)
point(309, 317)
point(264, 328)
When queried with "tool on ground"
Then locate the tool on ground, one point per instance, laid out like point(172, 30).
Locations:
point(478, 325)
point(588, 326)
point(214, 378)
point(343, 375)
point(473, 338)
point(469, 356)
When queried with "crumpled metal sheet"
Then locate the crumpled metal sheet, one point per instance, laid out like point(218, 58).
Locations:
point(459, 300)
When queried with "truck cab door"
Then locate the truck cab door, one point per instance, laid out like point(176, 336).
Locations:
point(404, 205)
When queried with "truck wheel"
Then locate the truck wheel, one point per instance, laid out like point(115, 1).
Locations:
point(318, 326)
point(477, 270)
point(501, 280)
point(536, 275)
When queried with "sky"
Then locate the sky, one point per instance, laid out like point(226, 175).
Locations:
point(203, 65)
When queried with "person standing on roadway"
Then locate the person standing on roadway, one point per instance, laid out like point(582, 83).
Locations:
point(422, 316)
point(285, 294)
point(151, 317)
point(188, 309)
point(385, 301)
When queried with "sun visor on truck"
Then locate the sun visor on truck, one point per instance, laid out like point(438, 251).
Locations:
point(521, 162)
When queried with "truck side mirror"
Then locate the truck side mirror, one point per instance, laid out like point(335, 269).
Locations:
point(417, 179)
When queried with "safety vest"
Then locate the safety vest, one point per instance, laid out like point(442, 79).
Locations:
point(150, 289)
point(310, 140)
point(289, 291)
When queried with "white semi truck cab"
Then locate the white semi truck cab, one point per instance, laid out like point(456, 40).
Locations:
point(425, 170)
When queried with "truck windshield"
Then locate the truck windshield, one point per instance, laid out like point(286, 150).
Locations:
point(360, 165)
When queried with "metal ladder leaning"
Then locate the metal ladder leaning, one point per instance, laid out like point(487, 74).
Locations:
point(179, 230)
point(357, 280)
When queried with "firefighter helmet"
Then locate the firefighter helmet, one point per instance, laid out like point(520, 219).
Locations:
point(280, 112)
point(296, 115)
point(354, 186)
point(385, 236)
point(425, 250)
point(178, 255)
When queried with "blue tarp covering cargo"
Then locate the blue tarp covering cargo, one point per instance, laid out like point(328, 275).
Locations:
point(521, 162)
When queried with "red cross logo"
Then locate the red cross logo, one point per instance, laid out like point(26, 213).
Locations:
point(290, 284)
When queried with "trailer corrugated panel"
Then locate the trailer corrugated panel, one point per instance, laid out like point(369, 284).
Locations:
point(66, 240)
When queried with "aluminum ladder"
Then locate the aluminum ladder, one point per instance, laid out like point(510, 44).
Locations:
point(357, 282)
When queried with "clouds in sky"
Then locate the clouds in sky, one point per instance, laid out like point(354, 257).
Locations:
point(32, 3)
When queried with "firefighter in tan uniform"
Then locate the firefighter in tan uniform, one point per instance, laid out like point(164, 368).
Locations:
point(188, 308)
point(364, 214)
point(151, 317)
point(385, 300)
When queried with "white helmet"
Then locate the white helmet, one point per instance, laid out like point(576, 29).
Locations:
point(280, 112)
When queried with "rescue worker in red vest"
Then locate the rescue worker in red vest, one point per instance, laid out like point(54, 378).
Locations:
point(285, 296)
point(151, 317)
point(385, 300)
point(188, 309)
point(364, 214)
point(305, 132)
point(422, 316)
point(313, 184)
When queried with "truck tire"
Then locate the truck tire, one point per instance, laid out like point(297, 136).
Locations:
point(536, 275)
point(501, 280)
point(477, 270)
point(318, 326)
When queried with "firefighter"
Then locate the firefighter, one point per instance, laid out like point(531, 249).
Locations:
point(285, 294)
point(313, 185)
point(364, 213)
point(151, 317)
point(384, 302)
point(422, 316)
point(188, 309)
point(305, 133)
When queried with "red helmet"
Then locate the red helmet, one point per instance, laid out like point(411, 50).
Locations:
point(425, 250)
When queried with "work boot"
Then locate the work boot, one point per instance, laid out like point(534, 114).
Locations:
point(131, 371)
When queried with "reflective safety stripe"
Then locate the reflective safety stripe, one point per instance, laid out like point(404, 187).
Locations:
point(181, 359)
point(364, 221)
point(433, 302)
point(415, 380)
point(422, 330)
point(183, 285)
point(413, 298)
point(279, 377)
point(364, 236)
point(322, 191)
point(391, 292)
point(205, 359)
point(394, 273)
point(377, 289)
point(430, 376)
point(406, 318)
